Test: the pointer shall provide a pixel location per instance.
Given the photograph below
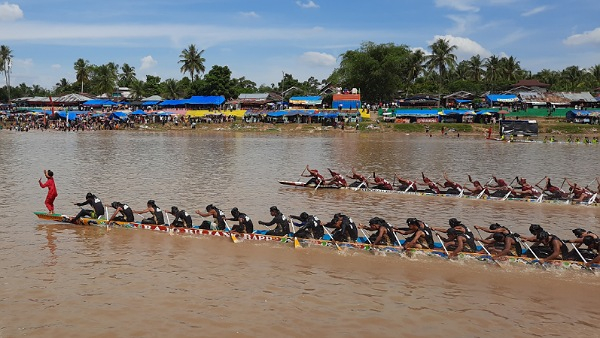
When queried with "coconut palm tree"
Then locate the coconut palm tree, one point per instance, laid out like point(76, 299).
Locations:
point(5, 66)
point(62, 85)
point(492, 70)
point(137, 89)
point(510, 69)
point(442, 59)
point(105, 79)
point(170, 89)
point(82, 71)
point(415, 67)
point(127, 75)
point(476, 67)
point(192, 61)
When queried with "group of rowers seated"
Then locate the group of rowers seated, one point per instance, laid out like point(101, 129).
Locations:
point(495, 187)
point(458, 237)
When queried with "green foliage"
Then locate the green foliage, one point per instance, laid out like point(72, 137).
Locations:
point(218, 82)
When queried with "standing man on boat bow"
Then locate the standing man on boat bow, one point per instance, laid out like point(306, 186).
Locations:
point(52, 193)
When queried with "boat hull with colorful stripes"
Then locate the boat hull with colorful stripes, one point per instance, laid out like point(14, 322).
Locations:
point(589, 202)
point(362, 244)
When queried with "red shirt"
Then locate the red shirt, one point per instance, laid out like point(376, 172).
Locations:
point(51, 187)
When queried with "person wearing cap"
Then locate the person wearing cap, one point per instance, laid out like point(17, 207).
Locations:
point(553, 247)
point(96, 211)
point(156, 217)
point(494, 228)
point(217, 214)
point(282, 224)
point(52, 193)
point(345, 228)
point(125, 211)
point(383, 233)
point(462, 230)
point(421, 235)
point(316, 178)
point(579, 235)
point(244, 224)
point(182, 218)
point(502, 244)
point(309, 226)
point(594, 244)
point(456, 242)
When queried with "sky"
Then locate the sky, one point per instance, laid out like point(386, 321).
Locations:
point(262, 39)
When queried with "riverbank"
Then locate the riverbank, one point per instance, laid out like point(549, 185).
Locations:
point(547, 127)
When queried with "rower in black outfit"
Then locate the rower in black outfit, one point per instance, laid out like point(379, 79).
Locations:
point(282, 224)
point(95, 203)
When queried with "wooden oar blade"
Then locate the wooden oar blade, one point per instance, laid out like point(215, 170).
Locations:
point(296, 243)
point(234, 238)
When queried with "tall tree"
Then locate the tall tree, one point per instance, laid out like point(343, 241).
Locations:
point(62, 86)
point(127, 75)
point(511, 69)
point(82, 71)
point(170, 89)
point(105, 78)
point(476, 67)
point(492, 70)
point(378, 70)
point(218, 82)
point(192, 61)
point(6, 65)
point(442, 59)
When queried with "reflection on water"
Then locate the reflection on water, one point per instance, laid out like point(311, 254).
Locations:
point(93, 276)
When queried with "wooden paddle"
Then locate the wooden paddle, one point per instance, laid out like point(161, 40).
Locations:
point(332, 240)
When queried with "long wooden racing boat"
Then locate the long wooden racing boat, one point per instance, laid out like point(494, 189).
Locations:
point(362, 243)
point(455, 194)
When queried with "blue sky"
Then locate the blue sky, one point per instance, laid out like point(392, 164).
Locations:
point(260, 39)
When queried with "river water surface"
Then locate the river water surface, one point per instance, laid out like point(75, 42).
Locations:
point(67, 280)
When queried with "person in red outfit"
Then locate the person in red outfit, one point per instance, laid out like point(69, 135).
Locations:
point(51, 190)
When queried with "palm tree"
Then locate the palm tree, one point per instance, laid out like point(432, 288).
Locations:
point(192, 61)
point(170, 89)
point(492, 70)
point(595, 72)
point(137, 89)
point(415, 67)
point(82, 71)
point(572, 77)
point(476, 67)
point(62, 85)
point(442, 59)
point(510, 68)
point(127, 75)
point(106, 78)
point(6, 65)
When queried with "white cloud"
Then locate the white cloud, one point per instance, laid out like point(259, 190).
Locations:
point(10, 12)
point(534, 11)
point(588, 37)
point(23, 63)
point(55, 66)
point(148, 62)
point(459, 5)
point(318, 59)
point(463, 23)
point(251, 14)
point(308, 4)
point(465, 48)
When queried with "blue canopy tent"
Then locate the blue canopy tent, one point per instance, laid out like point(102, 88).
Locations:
point(417, 112)
point(139, 112)
point(118, 115)
point(150, 103)
point(205, 100)
point(582, 116)
point(278, 113)
point(71, 115)
point(173, 103)
point(99, 103)
point(501, 98)
point(346, 104)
